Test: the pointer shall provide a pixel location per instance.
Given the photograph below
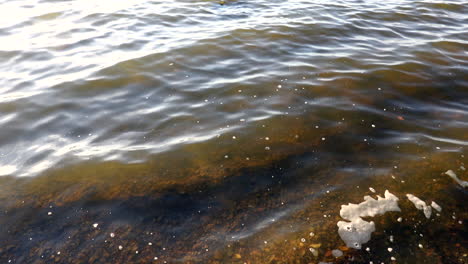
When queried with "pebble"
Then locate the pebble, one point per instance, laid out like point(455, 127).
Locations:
point(337, 253)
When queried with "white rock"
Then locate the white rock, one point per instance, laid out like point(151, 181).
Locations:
point(420, 205)
point(337, 253)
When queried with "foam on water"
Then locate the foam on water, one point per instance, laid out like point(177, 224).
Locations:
point(452, 175)
point(358, 231)
point(420, 205)
point(436, 206)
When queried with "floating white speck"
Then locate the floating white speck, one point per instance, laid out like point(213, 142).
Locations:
point(436, 206)
point(311, 234)
point(120, 247)
point(393, 258)
point(112, 235)
point(452, 175)
point(420, 205)
point(358, 231)
point(95, 225)
point(303, 240)
point(155, 258)
point(337, 253)
point(372, 189)
point(391, 239)
point(267, 148)
point(267, 138)
point(313, 251)
point(150, 244)
point(399, 219)
point(420, 246)
point(49, 213)
point(390, 249)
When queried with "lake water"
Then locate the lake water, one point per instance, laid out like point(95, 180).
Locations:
point(230, 132)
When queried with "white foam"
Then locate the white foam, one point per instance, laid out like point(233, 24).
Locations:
point(357, 231)
point(436, 206)
point(452, 175)
point(420, 205)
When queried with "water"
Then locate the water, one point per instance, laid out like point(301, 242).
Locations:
point(225, 132)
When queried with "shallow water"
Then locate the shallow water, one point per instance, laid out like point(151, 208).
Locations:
point(225, 132)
